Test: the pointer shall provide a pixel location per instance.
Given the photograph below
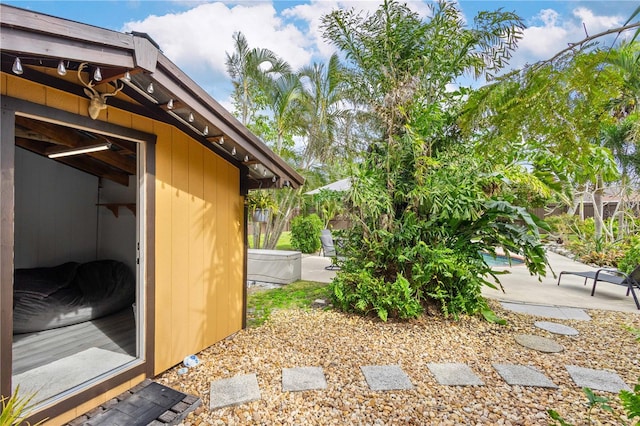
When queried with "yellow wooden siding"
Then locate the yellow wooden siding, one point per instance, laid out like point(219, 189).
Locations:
point(198, 311)
point(203, 232)
point(164, 266)
point(198, 231)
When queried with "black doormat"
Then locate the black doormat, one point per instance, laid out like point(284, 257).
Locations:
point(149, 403)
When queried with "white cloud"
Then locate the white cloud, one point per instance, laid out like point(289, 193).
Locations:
point(549, 33)
point(197, 36)
point(197, 39)
point(311, 15)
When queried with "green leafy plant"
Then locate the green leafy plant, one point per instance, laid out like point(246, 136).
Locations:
point(16, 408)
point(261, 200)
point(435, 242)
point(630, 402)
point(329, 204)
point(363, 293)
point(634, 331)
point(631, 258)
point(423, 203)
point(305, 233)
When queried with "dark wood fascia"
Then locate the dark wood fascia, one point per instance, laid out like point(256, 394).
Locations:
point(7, 188)
point(14, 17)
point(146, 54)
point(37, 44)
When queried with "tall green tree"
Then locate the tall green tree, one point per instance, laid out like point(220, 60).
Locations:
point(325, 114)
point(571, 118)
point(310, 106)
point(423, 206)
point(252, 71)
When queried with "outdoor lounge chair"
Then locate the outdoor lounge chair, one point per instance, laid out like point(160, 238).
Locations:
point(329, 249)
point(612, 276)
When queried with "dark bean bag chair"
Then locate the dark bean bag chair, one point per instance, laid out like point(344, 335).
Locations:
point(71, 293)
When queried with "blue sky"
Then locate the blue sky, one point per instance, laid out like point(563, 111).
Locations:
point(195, 35)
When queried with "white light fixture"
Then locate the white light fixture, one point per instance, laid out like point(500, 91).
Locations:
point(206, 130)
point(81, 150)
point(233, 151)
point(127, 76)
point(221, 140)
point(246, 158)
point(17, 66)
point(273, 179)
point(264, 172)
point(170, 104)
point(191, 117)
point(150, 88)
point(97, 75)
point(62, 70)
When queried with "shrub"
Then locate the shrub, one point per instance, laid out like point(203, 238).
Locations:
point(631, 258)
point(434, 244)
point(305, 233)
point(363, 293)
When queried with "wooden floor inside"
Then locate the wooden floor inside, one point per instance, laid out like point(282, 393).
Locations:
point(116, 333)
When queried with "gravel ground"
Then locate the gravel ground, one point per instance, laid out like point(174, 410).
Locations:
point(341, 343)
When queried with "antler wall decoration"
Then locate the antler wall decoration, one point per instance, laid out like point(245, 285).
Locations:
point(98, 100)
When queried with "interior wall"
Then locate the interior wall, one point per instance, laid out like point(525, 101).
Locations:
point(55, 212)
point(117, 235)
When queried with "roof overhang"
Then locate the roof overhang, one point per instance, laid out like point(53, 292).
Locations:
point(41, 41)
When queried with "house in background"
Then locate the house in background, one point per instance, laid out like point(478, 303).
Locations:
point(110, 152)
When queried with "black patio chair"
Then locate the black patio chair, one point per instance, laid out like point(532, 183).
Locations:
point(613, 276)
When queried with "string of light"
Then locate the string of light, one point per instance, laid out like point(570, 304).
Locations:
point(62, 69)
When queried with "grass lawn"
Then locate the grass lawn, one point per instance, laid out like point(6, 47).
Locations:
point(299, 294)
point(284, 242)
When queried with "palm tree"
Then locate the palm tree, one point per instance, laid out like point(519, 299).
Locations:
point(283, 99)
point(325, 113)
point(251, 70)
point(310, 105)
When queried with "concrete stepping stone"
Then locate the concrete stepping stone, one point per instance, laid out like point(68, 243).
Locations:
point(597, 379)
point(234, 391)
point(523, 375)
point(302, 379)
point(386, 377)
point(555, 328)
point(538, 343)
point(454, 374)
point(555, 312)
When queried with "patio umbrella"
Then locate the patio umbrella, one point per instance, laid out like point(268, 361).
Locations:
point(339, 185)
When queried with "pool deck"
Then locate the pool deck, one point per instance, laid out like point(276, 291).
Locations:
point(521, 287)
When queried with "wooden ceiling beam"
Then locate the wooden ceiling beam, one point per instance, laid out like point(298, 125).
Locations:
point(69, 137)
point(81, 163)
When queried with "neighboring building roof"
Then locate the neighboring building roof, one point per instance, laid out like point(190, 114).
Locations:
point(41, 41)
